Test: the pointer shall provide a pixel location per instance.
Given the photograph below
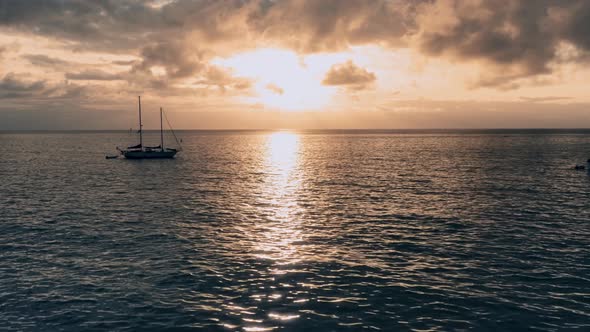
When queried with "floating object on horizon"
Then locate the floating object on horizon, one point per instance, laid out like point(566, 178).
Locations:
point(111, 157)
point(583, 167)
point(150, 152)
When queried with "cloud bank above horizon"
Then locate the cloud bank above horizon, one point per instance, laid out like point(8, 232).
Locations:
point(69, 64)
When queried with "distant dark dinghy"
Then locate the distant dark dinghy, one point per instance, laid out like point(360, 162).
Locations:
point(150, 152)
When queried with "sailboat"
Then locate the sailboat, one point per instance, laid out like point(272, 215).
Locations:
point(149, 152)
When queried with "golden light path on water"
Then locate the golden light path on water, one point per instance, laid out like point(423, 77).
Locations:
point(278, 238)
point(282, 181)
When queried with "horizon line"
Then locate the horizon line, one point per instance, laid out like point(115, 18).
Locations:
point(298, 129)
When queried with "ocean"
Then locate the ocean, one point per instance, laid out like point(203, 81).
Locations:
point(296, 231)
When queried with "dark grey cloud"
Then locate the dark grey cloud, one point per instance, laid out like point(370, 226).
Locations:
point(100, 24)
point(499, 29)
point(574, 23)
point(331, 25)
point(43, 60)
point(12, 87)
point(349, 75)
point(177, 58)
point(39, 91)
point(521, 38)
point(124, 62)
point(306, 25)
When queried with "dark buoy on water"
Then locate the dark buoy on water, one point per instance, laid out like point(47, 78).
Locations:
point(583, 167)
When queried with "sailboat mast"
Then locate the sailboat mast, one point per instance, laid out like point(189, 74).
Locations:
point(161, 131)
point(140, 125)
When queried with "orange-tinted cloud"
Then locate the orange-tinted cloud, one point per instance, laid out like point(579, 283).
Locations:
point(350, 76)
point(94, 75)
point(275, 88)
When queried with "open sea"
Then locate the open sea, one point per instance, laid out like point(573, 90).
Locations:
point(297, 231)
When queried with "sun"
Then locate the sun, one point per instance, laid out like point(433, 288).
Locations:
point(284, 80)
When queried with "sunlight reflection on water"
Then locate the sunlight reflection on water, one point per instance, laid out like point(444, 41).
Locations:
point(283, 178)
point(278, 200)
point(275, 238)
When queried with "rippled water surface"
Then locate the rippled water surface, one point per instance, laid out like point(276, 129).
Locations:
point(323, 231)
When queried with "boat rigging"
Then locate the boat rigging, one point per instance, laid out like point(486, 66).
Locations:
point(140, 151)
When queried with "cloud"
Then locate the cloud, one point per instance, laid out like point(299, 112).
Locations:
point(43, 60)
point(104, 24)
point(164, 65)
point(515, 38)
point(501, 30)
point(572, 22)
point(60, 65)
point(350, 76)
point(12, 87)
point(275, 88)
point(304, 25)
point(310, 26)
point(518, 37)
point(5, 50)
point(544, 99)
point(223, 80)
point(124, 62)
point(178, 60)
point(39, 91)
point(173, 42)
point(94, 75)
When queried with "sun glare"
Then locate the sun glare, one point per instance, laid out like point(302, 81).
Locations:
point(284, 80)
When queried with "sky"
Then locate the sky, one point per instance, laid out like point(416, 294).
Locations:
point(295, 64)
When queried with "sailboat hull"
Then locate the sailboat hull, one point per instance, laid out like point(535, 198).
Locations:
point(166, 154)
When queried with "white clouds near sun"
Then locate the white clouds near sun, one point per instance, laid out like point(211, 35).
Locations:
point(283, 80)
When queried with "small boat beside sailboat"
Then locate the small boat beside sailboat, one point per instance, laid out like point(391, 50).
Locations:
point(140, 151)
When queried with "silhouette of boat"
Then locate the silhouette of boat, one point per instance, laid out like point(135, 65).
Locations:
point(140, 151)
